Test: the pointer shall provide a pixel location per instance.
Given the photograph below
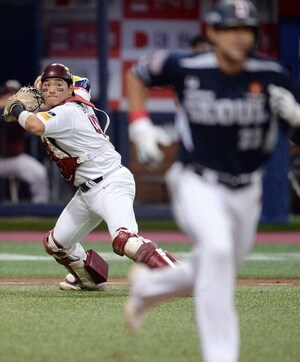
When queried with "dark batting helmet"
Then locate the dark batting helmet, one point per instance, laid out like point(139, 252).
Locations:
point(232, 13)
point(56, 70)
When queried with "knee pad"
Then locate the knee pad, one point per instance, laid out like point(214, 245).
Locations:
point(120, 240)
point(52, 247)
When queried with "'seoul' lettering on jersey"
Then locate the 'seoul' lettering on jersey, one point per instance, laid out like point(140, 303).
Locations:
point(224, 121)
point(203, 108)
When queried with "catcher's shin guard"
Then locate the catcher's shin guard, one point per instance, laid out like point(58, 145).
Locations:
point(89, 271)
point(141, 250)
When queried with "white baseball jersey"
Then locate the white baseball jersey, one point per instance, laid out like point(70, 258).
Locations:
point(77, 132)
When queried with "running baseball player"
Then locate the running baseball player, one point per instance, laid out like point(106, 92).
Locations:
point(73, 137)
point(232, 101)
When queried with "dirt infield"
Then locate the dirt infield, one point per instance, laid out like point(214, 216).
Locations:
point(48, 281)
point(123, 281)
point(161, 236)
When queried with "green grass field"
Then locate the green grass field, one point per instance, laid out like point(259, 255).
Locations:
point(40, 323)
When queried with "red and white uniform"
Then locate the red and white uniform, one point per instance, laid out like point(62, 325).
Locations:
point(77, 132)
point(106, 190)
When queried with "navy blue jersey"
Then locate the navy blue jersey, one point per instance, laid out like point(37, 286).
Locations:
point(227, 125)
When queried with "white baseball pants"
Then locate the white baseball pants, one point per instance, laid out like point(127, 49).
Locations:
point(110, 200)
point(222, 222)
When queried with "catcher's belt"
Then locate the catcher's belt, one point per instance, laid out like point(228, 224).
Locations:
point(91, 183)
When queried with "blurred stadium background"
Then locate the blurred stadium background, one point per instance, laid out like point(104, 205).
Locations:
point(100, 40)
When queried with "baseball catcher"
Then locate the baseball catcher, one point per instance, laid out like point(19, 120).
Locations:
point(27, 98)
point(73, 137)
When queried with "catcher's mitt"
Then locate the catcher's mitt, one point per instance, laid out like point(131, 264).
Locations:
point(29, 98)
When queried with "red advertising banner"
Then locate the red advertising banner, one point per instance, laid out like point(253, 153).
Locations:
point(79, 39)
point(162, 9)
point(135, 28)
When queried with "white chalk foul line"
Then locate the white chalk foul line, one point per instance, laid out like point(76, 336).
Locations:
point(274, 257)
point(110, 256)
point(21, 257)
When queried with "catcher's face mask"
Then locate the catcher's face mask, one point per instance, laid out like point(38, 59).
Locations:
point(56, 90)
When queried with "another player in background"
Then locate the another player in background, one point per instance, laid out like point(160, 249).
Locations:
point(73, 137)
point(233, 101)
point(199, 43)
point(14, 161)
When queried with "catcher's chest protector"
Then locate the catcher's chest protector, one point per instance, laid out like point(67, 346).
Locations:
point(66, 163)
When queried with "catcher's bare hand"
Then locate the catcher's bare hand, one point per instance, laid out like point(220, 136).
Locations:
point(30, 98)
point(37, 83)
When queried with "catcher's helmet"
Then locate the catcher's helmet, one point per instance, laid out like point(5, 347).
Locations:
point(57, 70)
point(232, 13)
